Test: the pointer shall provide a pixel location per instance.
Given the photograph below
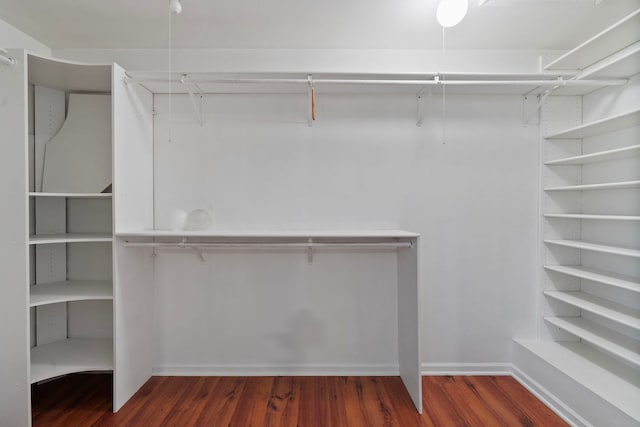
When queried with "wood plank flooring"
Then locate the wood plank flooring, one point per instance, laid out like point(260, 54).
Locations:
point(85, 400)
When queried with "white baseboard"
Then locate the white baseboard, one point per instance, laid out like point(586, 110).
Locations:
point(466, 369)
point(277, 370)
point(549, 399)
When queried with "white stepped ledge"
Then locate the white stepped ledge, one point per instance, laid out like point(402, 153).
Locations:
point(607, 340)
point(72, 195)
point(604, 186)
point(600, 276)
point(69, 356)
point(599, 306)
point(41, 239)
point(72, 290)
point(614, 38)
point(594, 216)
point(600, 156)
point(596, 247)
point(611, 380)
point(609, 124)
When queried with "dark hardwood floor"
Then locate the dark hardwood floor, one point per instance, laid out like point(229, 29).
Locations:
point(85, 400)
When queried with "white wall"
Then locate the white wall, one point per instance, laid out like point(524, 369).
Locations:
point(11, 37)
point(364, 164)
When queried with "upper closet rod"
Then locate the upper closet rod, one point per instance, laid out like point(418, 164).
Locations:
point(436, 81)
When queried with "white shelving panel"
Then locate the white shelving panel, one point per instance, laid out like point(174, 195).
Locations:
point(593, 370)
point(595, 247)
point(599, 306)
point(598, 127)
point(607, 340)
point(72, 195)
point(605, 277)
point(601, 156)
point(43, 239)
point(70, 290)
point(593, 187)
point(595, 217)
point(622, 64)
point(619, 35)
point(69, 356)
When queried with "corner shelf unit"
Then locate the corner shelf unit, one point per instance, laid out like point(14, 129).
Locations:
point(61, 280)
point(588, 341)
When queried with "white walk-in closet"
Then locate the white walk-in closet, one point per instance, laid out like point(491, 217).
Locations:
point(424, 190)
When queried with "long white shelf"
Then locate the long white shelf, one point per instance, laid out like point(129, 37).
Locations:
point(72, 195)
point(595, 247)
point(599, 306)
point(604, 186)
point(266, 234)
point(600, 276)
point(622, 64)
point(608, 124)
point(614, 38)
point(606, 339)
point(596, 217)
point(72, 290)
point(69, 356)
point(42, 239)
point(601, 156)
point(608, 378)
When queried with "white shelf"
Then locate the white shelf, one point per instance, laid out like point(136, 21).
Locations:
point(72, 195)
point(600, 276)
point(599, 306)
point(75, 290)
point(601, 156)
point(622, 64)
point(266, 234)
point(579, 244)
point(607, 340)
point(608, 378)
point(69, 356)
point(42, 239)
point(616, 37)
point(596, 217)
point(619, 121)
point(604, 186)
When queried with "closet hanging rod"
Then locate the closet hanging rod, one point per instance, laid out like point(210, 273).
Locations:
point(305, 81)
point(302, 245)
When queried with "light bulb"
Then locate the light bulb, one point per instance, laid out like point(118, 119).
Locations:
point(175, 6)
point(451, 12)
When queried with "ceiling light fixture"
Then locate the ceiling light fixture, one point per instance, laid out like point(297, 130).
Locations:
point(175, 6)
point(451, 12)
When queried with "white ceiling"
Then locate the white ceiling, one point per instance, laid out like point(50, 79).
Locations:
point(330, 24)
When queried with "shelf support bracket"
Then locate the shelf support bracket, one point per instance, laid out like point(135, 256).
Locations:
point(310, 251)
point(311, 104)
point(422, 99)
point(197, 105)
point(541, 100)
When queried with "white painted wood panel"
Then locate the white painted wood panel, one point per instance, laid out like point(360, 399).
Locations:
point(15, 408)
point(133, 153)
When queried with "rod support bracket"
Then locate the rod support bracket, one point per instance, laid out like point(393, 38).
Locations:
point(310, 251)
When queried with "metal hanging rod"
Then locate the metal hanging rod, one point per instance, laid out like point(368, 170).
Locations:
point(309, 246)
point(304, 245)
point(406, 82)
point(7, 60)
